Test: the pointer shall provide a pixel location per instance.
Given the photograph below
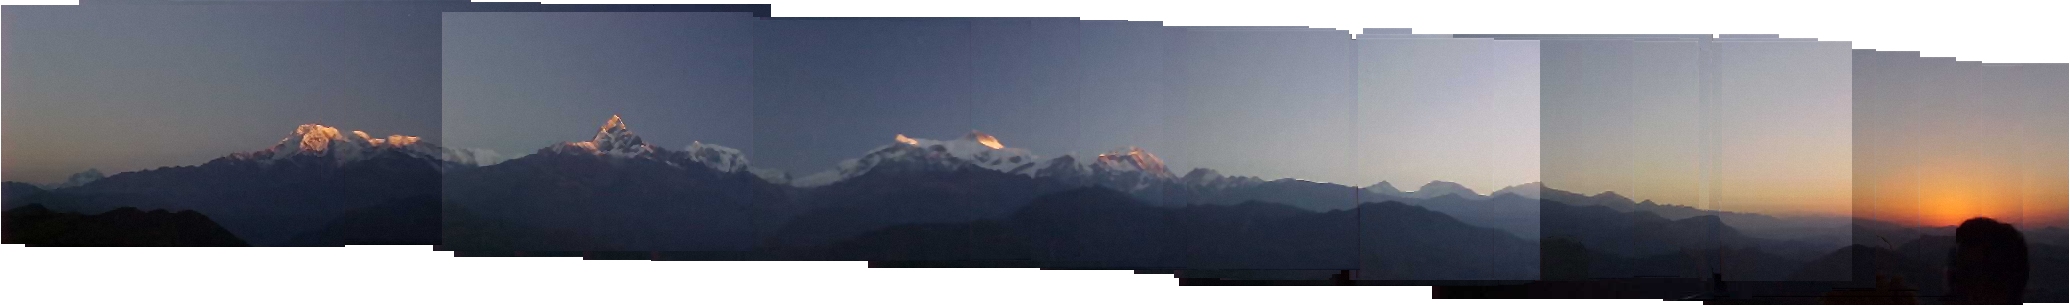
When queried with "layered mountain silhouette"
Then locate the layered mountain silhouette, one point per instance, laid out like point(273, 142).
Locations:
point(1774, 226)
point(12, 193)
point(1097, 227)
point(310, 178)
point(976, 177)
point(35, 225)
point(969, 199)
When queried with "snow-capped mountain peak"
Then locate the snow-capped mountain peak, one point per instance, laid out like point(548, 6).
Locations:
point(616, 139)
point(717, 156)
point(983, 139)
point(78, 179)
point(1127, 168)
point(321, 140)
point(1209, 178)
point(975, 149)
point(613, 138)
point(1132, 158)
point(470, 157)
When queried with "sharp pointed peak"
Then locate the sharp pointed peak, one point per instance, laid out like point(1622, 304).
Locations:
point(616, 136)
point(613, 126)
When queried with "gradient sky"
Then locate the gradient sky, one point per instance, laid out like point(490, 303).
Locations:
point(1786, 127)
point(517, 82)
point(1267, 102)
point(1463, 110)
point(1940, 141)
point(138, 85)
point(124, 88)
point(1271, 102)
point(1628, 115)
point(1623, 115)
point(130, 87)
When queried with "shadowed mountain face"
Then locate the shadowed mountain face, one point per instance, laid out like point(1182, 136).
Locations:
point(1508, 212)
point(1774, 227)
point(885, 198)
point(620, 204)
point(613, 192)
point(1103, 228)
point(2049, 281)
point(1636, 234)
point(12, 192)
point(1312, 196)
point(1404, 242)
point(401, 221)
point(265, 201)
point(35, 225)
point(1619, 244)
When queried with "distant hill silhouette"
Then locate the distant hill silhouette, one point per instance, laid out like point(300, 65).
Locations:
point(263, 201)
point(1404, 242)
point(1508, 212)
point(402, 221)
point(880, 199)
point(614, 203)
point(1787, 228)
point(35, 225)
point(1312, 196)
point(1635, 234)
point(2049, 278)
point(12, 193)
point(1102, 228)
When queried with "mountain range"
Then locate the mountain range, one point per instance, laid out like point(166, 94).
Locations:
point(266, 197)
point(317, 160)
point(919, 200)
point(616, 192)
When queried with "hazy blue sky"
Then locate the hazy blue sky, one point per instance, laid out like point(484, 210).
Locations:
point(1454, 109)
point(517, 82)
point(1786, 127)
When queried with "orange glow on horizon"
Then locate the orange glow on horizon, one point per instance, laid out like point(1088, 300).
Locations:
point(1946, 191)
